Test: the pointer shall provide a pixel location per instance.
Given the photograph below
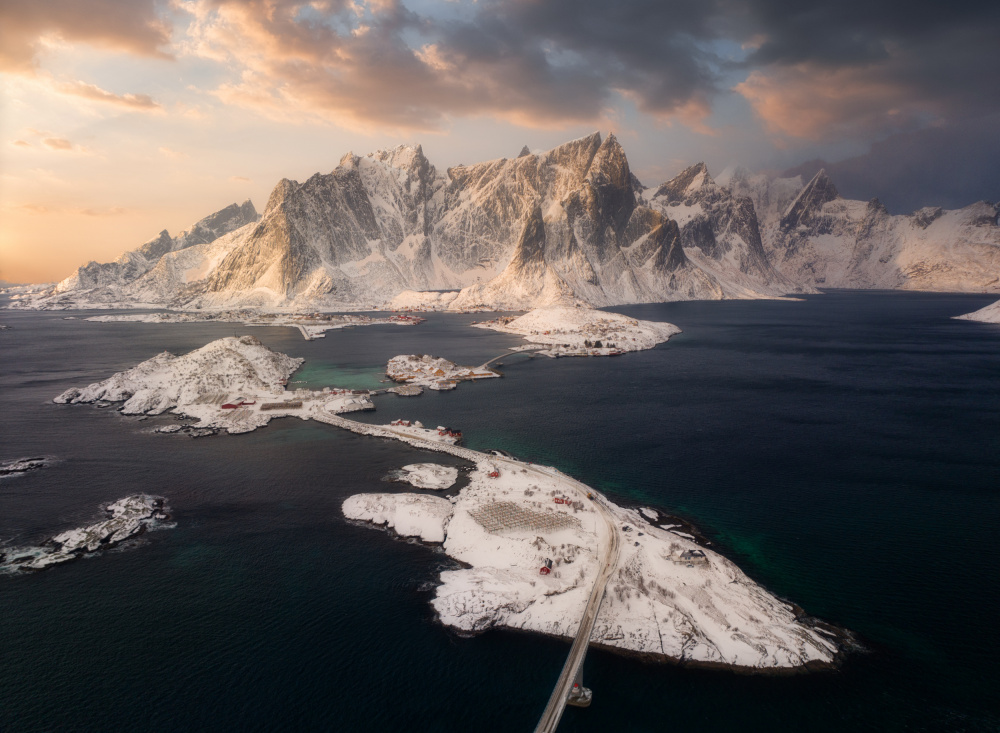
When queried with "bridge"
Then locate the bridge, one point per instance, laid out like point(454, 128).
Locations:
point(523, 350)
point(569, 689)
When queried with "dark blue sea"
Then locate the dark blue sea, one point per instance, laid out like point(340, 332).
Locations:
point(843, 449)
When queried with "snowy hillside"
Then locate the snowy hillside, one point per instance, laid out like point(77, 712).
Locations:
point(825, 240)
point(197, 383)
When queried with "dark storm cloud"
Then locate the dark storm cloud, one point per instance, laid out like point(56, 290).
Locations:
point(950, 167)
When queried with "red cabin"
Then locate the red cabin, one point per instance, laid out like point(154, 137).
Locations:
point(544, 571)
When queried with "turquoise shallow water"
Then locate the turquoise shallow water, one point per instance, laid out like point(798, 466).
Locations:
point(844, 450)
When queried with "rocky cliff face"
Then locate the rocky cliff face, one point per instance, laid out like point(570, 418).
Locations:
point(569, 225)
point(566, 225)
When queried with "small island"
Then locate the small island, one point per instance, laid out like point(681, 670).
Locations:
point(424, 370)
point(578, 331)
point(537, 547)
point(129, 517)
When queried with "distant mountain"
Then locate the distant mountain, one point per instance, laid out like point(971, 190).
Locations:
point(568, 225)
point(828, 241)
point(127, 280)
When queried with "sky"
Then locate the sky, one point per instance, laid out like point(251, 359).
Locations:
point(120, 118)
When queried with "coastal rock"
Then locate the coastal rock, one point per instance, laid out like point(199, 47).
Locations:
point(129, 517)
point(410, 515)
point(988, 314)
point(21, 465)
point(198, 384)
point(428, 475)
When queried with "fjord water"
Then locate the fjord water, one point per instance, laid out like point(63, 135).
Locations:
point(844, 450)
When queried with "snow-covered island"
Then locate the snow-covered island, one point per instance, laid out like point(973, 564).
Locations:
point(427, 476)
point(433, 372)
point(989, 314)
point(536, 545)
point(130, 517)
point(578, 331)
point(232, 384)
point(310, 325)
point(534, 541)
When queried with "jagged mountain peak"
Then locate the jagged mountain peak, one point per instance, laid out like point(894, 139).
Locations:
point(407, 157)
point(525, 151)
point(285, 188)
point(685, 183)
point(575, 155)
point(820, 190)
point(229, 218)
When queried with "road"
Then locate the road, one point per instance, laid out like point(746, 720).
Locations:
point(608, 564)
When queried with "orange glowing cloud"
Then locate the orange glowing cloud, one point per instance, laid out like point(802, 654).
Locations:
point(818, 104)
point(142, 102)
point(133, 26)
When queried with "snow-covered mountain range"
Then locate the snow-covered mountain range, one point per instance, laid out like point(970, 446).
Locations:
point(569, 225)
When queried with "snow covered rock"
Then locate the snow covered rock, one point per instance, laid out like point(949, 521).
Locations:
point(130, 516)
point(154, 272)
point(989, 314)
point(410, 515)
point(533, 542)
point(197, 384)
point(824, 240)
point(428, 475)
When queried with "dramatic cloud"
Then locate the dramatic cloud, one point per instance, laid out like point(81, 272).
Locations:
point(537, 64)
point(127, 25)
point(811, 87)
point(942, 166)
point(141, 102)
